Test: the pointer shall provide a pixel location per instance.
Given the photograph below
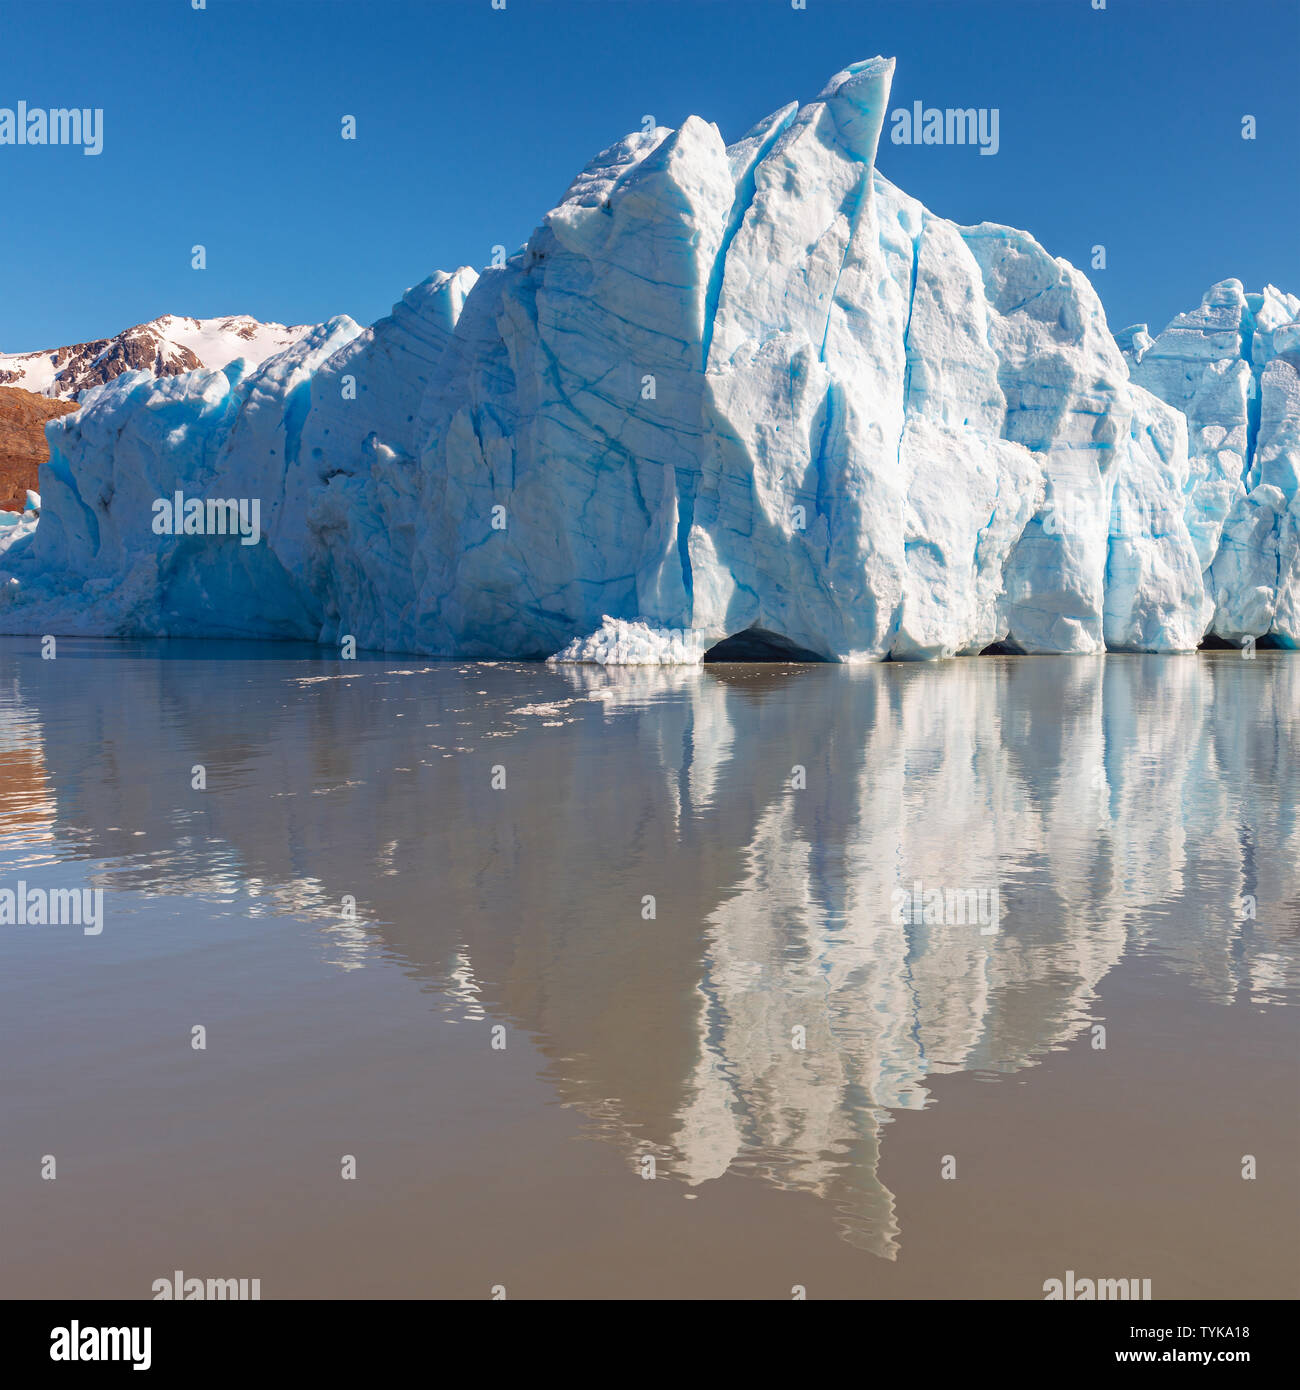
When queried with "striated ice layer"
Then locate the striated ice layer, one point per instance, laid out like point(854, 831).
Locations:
point(752, 389)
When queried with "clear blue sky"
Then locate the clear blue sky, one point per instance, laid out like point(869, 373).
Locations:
point(222, 127)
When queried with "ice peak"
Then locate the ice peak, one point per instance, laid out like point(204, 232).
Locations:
point(858, 98)
point(1226, 294)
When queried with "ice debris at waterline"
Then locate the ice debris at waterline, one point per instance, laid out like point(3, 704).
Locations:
point(721, 388)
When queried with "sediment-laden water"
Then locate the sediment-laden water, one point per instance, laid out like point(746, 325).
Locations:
point(901, 980)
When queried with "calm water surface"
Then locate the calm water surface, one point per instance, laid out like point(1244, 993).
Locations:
point(675, 897)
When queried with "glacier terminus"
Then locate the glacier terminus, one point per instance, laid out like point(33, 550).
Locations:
point(751, 393)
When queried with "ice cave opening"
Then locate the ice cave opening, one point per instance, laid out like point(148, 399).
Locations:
point(1211, 642)
point(1002, 649)
point(758, 644)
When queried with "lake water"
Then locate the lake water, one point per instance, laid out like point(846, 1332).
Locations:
point(683, 905)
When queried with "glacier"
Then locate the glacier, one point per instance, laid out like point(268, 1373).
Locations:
point(750, 392)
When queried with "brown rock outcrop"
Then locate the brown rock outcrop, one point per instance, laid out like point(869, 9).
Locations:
point(22, 441)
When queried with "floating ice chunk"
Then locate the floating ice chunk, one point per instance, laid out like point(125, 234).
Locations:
point(620, 643)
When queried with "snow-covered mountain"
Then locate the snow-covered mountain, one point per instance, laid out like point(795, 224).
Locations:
point(167, 346)
point(750, 390)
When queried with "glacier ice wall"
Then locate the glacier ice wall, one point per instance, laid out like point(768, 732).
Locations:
point(719, 389)
point(1231, 367)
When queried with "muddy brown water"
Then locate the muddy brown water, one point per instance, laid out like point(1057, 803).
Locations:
point(514, 938)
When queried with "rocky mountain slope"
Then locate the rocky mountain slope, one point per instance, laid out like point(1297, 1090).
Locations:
point(166, 346)
point(23, 449)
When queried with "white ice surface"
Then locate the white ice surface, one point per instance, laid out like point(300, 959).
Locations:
point(719, 388)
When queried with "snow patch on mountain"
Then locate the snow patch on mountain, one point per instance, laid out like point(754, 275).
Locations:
point(166, 346)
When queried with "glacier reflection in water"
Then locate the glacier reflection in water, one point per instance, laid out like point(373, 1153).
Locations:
point(774, 1012)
